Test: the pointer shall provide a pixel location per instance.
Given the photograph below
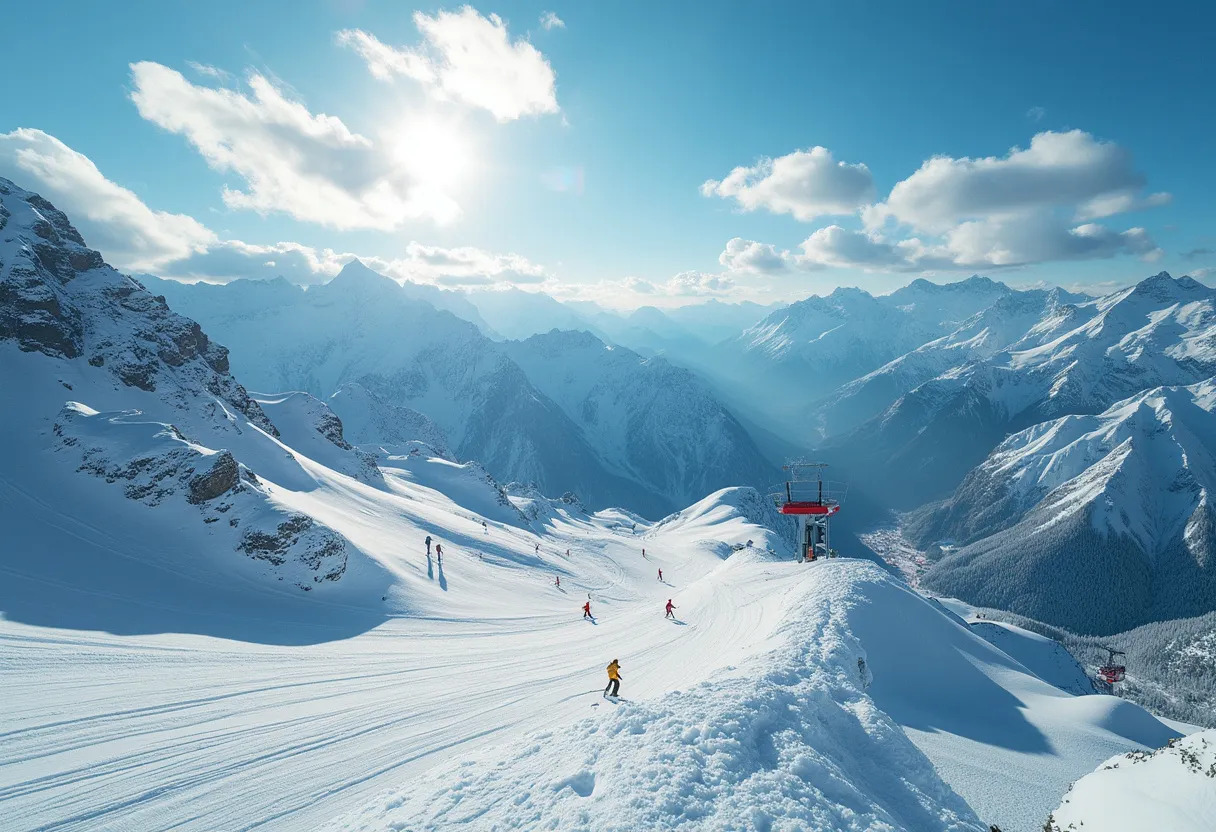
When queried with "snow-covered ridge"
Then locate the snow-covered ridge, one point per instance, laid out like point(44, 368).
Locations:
point(1172, 788)
point(156, 465)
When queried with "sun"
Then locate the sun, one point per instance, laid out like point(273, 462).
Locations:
point(435, 152)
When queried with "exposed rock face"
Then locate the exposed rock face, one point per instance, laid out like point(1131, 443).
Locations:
point(224, 475)
point(156, 465)
point(58, 297)
point(330, 426)
point(319, 550)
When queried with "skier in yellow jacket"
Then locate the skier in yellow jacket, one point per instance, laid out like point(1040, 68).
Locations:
point(614, 679)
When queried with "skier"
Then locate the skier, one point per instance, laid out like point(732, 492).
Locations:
point(538, 548)
point(439, 552)
point(614, 679)
point(670, 607)
point(484, 527)
point(557, 581)
point(660, 574)
point(428, 545)
point(643, 551)
point(587, 610)
point(567, 554)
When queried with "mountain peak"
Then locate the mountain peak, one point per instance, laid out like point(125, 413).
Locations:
point(1163, 287)
point(355, 275)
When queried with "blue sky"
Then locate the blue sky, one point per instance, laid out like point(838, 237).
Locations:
point(456, 147)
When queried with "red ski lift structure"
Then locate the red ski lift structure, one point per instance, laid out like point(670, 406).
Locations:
point(1112, 671)
point(811, 501)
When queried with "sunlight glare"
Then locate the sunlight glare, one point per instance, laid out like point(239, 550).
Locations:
point(435, 152)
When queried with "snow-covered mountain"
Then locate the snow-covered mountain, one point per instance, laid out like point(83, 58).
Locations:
point(1097, 523)
point(395, 369)
point(374, 423)
point(799, 354)
point(515, 313)
point(363, 328)
point(1008, 321)
point(122, 415)
point(1078, 358)
point(657, 423)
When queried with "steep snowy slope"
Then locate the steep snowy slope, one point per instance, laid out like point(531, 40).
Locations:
point(307, 426)
point(362, 328)
point(373, 423)
point(1095, 523)
point(1172, 788)
point(1080, 358)
point(658, 423)
point(121, 416)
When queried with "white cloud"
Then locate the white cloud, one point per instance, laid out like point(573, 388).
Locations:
point(805, 183)
point(466, 58)
point(1037, 239)
point(698, 283)
point(208, 71)
point(630, 292)
point(550, 20)
point(311, 167)
point(233, 259)
point(979, 244)
point(1058, 171)
point(1030, 206)
point(433, 263)
point(835, 246)
point(463, 266)
point(111, 218)
point(1036, 114)
point(749, 256)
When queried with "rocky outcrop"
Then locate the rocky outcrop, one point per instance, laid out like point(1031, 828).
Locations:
point(320, 551)
point(58, 297)
point(223, 476)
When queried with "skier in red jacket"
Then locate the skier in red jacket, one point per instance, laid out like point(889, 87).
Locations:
point(670, 607)
point(587, 610)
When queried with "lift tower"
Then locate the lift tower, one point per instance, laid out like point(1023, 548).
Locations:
point(811, 501)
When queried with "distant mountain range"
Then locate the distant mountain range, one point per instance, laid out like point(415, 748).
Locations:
point(564, 411)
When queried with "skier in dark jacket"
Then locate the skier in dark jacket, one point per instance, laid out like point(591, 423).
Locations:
point(428, 545)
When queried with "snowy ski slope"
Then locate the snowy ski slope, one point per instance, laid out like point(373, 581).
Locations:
point(261, 710)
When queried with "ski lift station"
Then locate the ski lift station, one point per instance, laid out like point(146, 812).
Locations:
point(812, 501)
